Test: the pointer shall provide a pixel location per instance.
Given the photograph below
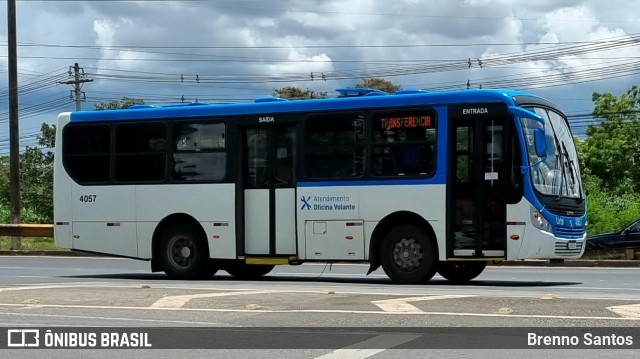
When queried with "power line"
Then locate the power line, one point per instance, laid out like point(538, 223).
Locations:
point(79, 78)
point(567, 77)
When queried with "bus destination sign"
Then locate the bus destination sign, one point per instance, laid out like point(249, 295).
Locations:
point(405, 122)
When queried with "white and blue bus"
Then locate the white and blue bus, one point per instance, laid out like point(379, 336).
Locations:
point(416, 182)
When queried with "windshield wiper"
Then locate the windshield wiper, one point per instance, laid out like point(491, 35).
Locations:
point(573, 171)
point(563, 172)
point(558, 148)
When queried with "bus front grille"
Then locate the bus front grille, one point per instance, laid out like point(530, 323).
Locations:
point(562, 249)
point(567, 232)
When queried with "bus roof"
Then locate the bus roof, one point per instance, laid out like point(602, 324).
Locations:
point(349, 100)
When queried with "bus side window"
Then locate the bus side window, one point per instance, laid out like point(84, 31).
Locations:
point(334, 146)
point(140, 152)
point(198, 152)
point(402, 143)
point(86, 152)
point(416, 159)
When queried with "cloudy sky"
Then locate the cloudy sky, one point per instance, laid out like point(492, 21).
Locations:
point(239, 50)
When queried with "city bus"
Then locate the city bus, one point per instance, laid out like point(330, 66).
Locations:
point(415, 182)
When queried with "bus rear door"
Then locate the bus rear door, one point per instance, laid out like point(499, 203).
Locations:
point(268, 191)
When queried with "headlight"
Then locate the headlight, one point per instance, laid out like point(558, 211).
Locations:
point(538, 220)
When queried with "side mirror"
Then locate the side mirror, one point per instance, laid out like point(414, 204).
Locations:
point(540, 143)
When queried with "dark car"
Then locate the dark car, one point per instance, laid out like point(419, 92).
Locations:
point(627, 237)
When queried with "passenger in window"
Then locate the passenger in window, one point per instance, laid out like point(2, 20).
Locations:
point(412, 159)
point(284, 172)
point(416, 158)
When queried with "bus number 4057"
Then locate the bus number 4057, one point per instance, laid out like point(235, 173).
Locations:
point(88, 198)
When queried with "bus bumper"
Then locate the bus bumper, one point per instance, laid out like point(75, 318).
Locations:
point(544, 245)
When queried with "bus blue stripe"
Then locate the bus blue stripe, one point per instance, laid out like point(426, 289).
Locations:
point(385, 182)
point(283, 107)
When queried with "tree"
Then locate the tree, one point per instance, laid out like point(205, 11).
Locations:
point(612, 149)
point(379, 84)
point(296, 93)
point(126, 102)
point(610, 157)
point(36, 179)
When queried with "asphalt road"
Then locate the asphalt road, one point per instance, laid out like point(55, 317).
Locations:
point(103, 292)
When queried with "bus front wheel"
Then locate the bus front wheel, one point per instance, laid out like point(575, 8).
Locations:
point(241, 270)
point(183, 253)
point(408, 255)
point(460, 272)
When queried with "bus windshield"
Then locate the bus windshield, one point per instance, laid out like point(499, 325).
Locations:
point(558, 174)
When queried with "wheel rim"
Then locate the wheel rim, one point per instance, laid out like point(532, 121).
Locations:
point(407, 254)
point(180, 252)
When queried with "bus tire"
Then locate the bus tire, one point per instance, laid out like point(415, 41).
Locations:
point(241, 270)
point(460, 272)
point(408, 255)
point(183, 253)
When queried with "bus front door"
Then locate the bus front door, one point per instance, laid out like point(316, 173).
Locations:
point(477, 189)
point(268, 192)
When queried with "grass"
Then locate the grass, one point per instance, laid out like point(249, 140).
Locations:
point(30, 244)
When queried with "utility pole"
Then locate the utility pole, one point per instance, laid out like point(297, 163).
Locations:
point(14, 130)
point(78, 79)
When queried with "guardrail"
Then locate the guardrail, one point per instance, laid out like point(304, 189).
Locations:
point(630, 253)
point(26, 230)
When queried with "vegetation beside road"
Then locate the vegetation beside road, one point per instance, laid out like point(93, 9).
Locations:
point(610, 161)
point(30, 244)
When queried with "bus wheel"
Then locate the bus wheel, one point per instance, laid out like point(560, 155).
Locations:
point(460, 272)
point(408, 255)
point(241, 270)
point(183, 253)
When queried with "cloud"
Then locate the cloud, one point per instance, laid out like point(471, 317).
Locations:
point(238, 50)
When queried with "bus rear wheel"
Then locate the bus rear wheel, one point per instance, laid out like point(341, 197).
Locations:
point(408, 255)
point(183, 253)
point(241, 270)
point(460, 272)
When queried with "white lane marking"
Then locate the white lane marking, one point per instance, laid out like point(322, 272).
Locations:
point(213, 310)
point(394, 305)
point(66, 316)
point(178, 301)
point(36, 287)
point(369, 347)
point(402, 305)
point(291, 289)
point(491, 293)
point(598, 288)
point(627, 311)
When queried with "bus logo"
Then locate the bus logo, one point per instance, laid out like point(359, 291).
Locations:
point(23, 338)
point(305, 202)
point(264, 119)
